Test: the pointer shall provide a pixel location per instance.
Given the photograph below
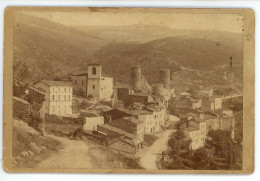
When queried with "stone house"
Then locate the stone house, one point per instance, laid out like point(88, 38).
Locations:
point(91, 122)
point(93, 83)
point(120, 140)
point(58, 95)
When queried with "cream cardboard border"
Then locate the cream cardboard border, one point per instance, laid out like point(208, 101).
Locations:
point(248, 88)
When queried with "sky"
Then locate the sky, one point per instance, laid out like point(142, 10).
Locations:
point(222, 22)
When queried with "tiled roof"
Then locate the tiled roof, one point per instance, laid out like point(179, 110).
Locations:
point(80, 74)
point(133, 120)
point(55, 83)
point(118, 131)
point(37, 89)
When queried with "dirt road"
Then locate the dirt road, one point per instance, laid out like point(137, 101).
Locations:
point(73, 155)
point(149, 158)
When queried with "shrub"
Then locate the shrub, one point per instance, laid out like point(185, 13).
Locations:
point(53, 118)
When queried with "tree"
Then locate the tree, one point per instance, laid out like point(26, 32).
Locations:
point(177, 143)
point(202, 159)
point(227, 149)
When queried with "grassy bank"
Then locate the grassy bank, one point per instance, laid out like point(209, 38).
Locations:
point(29, 146)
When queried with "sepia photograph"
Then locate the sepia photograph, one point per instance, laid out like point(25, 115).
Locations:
point(129, 90)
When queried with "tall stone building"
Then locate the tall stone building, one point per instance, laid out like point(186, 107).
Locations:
point(93, 83)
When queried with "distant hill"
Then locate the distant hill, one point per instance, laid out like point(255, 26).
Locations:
point(45, 50)
point(176, 53)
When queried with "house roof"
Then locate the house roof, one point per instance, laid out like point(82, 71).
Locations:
point(142, 112)
point(80, 74)
point(185, 94)
point(37, 89)
point(55, 83)
point(118, 131)
point(141, 94)
point(190, 129)
point(129, 119)
point(197, 119)
point(193, 114)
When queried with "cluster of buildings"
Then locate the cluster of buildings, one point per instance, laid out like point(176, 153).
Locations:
point(200, 111)
point(136, 108)
point(59, 94)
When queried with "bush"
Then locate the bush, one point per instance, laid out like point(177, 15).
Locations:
point(64, 120)
point(35, 122)
point(53, 118)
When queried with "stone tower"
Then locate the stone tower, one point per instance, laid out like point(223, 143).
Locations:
point(165, 77)
point(136, 78)
point(94, 78)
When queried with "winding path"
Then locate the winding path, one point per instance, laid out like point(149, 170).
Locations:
point(149, 158)
point(73, 155)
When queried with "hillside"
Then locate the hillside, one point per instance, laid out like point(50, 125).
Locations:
point(45, 50)
point(192, 60)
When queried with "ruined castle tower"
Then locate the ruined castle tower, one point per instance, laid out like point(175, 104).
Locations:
point(136, 78)
point(165, 77)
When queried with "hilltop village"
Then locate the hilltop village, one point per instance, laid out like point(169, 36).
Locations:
point(121, 116)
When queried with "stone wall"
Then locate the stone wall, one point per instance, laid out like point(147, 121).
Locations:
point(21, 109)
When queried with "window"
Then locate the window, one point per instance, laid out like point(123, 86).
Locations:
point(75, 81)
point(82, 82)
point(69, 97)
point(94, 86)
point(58, 97)
point(94, 71)
point(64, 97)
point(65, 89)
point(53, 109)
point(53, 89)
point(53, 97)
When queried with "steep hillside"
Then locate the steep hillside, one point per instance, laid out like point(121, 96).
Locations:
point(44, 50)
point(200, 58)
